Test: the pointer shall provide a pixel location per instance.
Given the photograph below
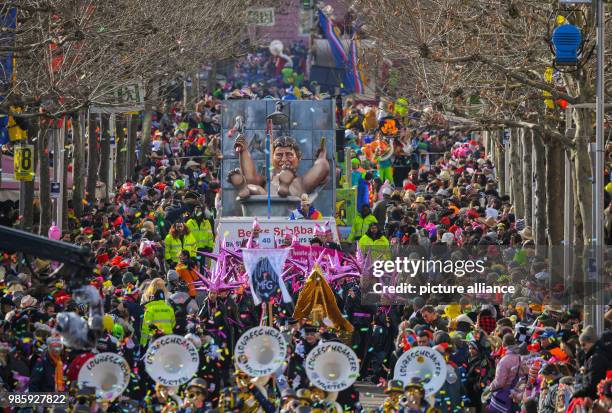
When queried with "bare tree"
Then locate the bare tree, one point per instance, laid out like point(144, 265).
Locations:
point(495, 53)
point(75, 54)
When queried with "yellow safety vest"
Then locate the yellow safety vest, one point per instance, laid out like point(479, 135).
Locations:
point(365, 241)
point(174, 246)
point(202, 232)
point(159, 314)
point(360, 226)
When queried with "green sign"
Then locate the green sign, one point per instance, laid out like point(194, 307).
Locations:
point(346, 204)
point(124, 99)
point(261, 16)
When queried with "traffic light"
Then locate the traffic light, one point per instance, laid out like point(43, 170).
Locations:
point(307, 4)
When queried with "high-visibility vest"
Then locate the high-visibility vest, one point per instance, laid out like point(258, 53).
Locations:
point(174, 246)
point(202, 232)
point(361, 226)
point(366, 241)
point(161, 315)
point(189, 243)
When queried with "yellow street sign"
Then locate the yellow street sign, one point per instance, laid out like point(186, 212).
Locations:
point(24, 163)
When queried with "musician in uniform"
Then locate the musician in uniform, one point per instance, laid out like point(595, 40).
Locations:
point(164, 400)
point(360, 316)
point(413, 400)
point(289, 401)
point(250, 394)
point(216, 312)
point(296, 374)
point(394, 391)
point(196, 394)
point(324, 401)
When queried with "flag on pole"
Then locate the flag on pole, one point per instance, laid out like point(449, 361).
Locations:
point(354, 72)
point(332, 34)
point(264, 268)
point(354, 81)
point(8, 21)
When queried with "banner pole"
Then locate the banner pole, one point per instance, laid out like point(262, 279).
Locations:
point(269, 164)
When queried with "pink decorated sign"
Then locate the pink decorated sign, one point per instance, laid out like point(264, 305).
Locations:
point(305, 254)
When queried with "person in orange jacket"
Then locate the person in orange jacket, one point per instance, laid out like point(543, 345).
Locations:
point(187, 273)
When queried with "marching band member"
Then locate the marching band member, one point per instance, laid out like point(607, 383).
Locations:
point(413, 400)
point(394, 391)
point(250, 394)
point(197, 392)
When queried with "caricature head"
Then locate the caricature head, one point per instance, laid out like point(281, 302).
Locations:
point(286, 154)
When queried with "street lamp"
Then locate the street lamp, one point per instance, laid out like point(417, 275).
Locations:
point(566, 40)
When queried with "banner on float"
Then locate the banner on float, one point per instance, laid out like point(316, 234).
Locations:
point(239, 229)
point(265, 268)
point(305, 254)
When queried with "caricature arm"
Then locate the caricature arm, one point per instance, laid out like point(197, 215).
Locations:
point(247, 166)
point(318, 174)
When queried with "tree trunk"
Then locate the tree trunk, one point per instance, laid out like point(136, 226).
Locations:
point(104, 154)
point(555, 191)
point(145, 142)
point(28, 210)
point(500, 161)
point(44, 186)
point(28, 198)
point(121, 150)
point(78, 172)
point(584, 131)
point(92, 159)
point(516, 173)
point(212, 79)
point(539, 172)
point(196, 86)
point(579, 242)
point(185, 94)
point(578, 224)
point(131, 145)
point(527, 143)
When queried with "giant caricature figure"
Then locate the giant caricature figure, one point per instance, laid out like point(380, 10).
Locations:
point(286, 157)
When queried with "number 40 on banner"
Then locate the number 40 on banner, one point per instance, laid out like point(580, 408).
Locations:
point(24, 163)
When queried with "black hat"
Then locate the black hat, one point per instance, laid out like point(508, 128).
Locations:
point(191, 195)
point(395, 386)
point(328, 336)
point(415, 383)
point(198, 382)
point(288, 393)
point(7, 301)
point(309, 328)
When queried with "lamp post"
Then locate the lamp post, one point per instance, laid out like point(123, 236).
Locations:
point(278, 117)
point(599, 167)
point(566, 40)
